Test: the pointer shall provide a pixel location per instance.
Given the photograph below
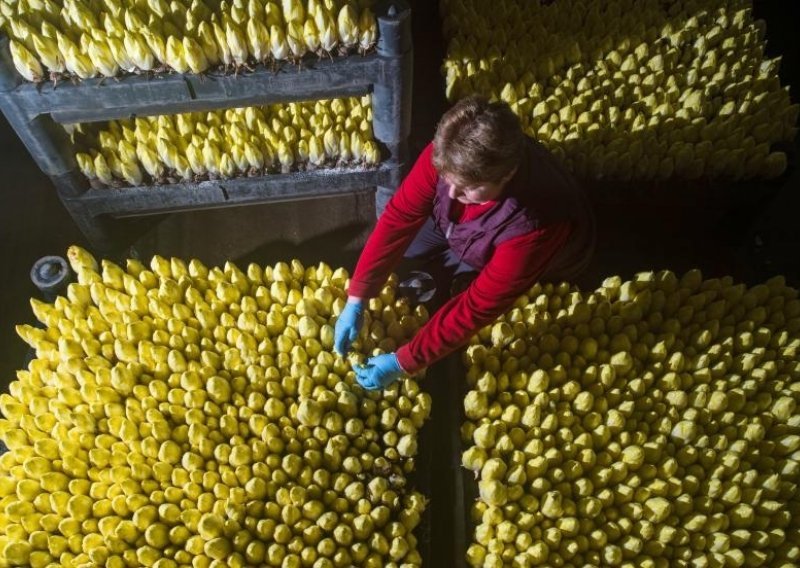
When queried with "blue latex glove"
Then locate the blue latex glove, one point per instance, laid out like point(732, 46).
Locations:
point(347, 326)
point(379, 372)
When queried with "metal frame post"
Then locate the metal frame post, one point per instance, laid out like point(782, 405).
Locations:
point(391, 99)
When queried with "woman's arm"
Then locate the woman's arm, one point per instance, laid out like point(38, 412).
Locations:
point(514, 267)
point(405, 213)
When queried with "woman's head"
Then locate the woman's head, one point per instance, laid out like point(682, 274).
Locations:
point(477, 148)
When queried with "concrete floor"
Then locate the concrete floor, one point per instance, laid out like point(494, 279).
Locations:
point(749, 231)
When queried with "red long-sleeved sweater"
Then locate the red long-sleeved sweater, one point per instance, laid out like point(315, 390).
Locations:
point(513, 268)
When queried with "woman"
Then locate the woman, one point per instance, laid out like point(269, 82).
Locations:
point(481, 197)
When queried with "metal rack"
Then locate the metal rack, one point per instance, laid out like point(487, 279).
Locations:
point(36, 112)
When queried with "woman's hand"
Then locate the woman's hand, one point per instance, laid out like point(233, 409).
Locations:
point(348, 325)
point(379, 372)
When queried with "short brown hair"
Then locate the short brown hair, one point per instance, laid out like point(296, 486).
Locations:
point(478, 141)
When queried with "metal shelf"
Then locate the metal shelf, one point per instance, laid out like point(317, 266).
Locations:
point(37, 113)
point(140, 95)
point(146, 200)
